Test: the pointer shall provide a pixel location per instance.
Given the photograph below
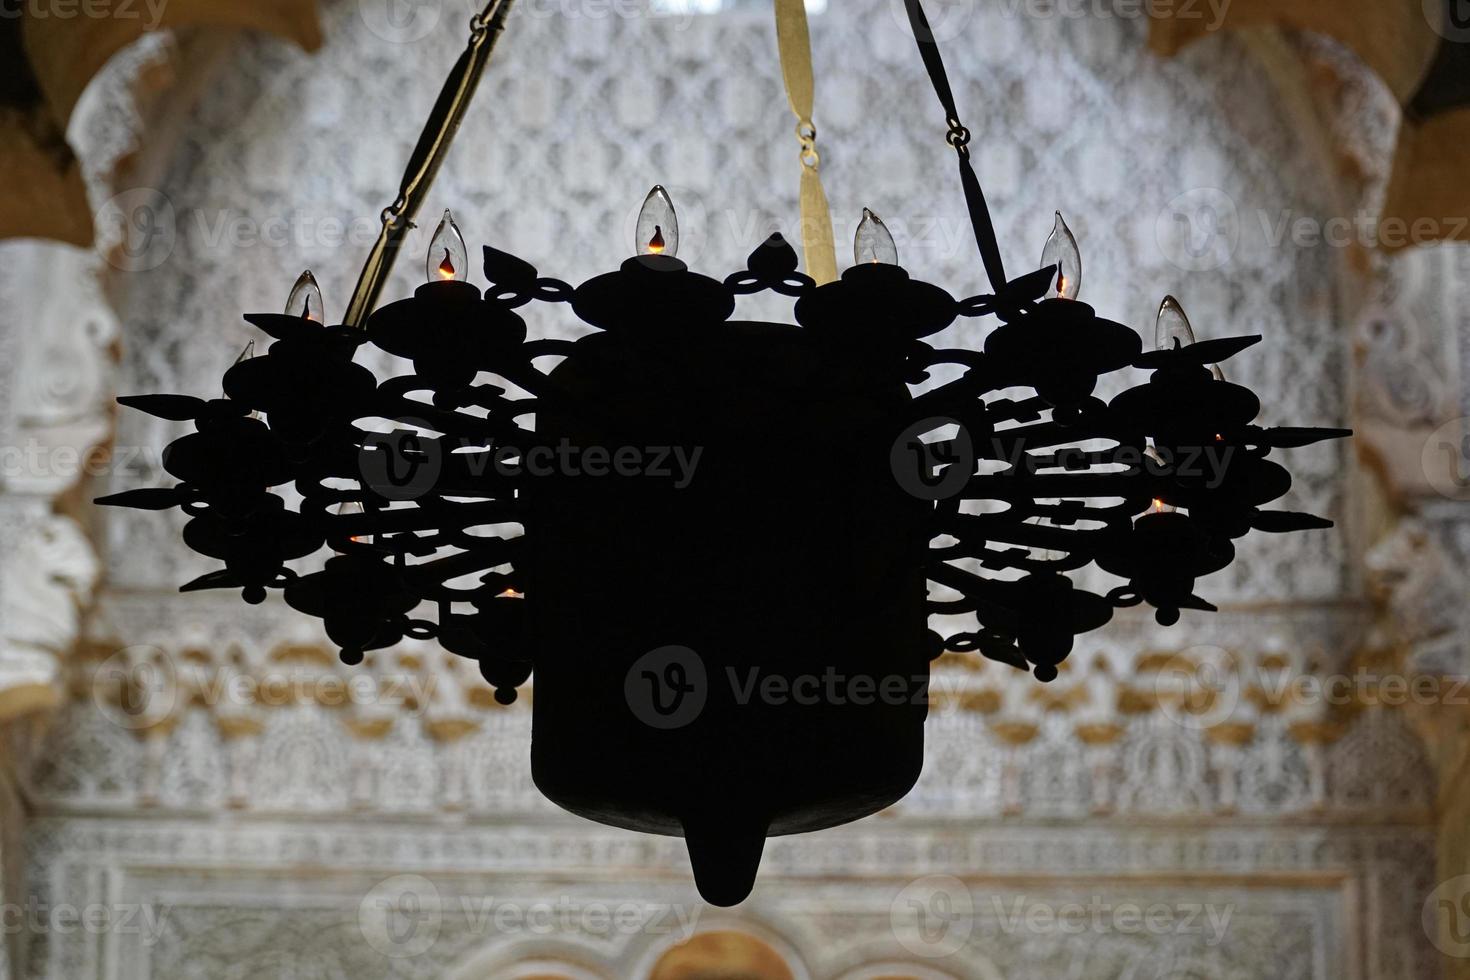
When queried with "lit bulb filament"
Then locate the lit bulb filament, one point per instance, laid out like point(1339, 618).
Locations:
point(656, 243)
point(446, 266)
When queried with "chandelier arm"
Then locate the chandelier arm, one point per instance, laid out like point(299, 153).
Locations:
point(420, 519)
point(1011, 410)
point(1002, 527)
point(959, 137)
point(526, 375)
point(494, 425)
point(983, 529)
point(429, 581)
point(982, 594)
point(428, 155)
point(547, 347)
point(1007, 486)
point(948, 607)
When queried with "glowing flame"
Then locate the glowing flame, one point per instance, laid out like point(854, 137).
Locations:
point(446, 266)
point(1157, 464)
point(511, 594)
point(354, 508)
point(656, 242)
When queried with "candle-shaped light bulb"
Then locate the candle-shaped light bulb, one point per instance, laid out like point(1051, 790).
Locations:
point(354, 508)
point(1172, 328)
point(1043, 553)
point(873, 244)
point(1061, 251)
point(1158, 506)
point(246, 355)
point(448, 259)
point(658, 226)
point(305, 300)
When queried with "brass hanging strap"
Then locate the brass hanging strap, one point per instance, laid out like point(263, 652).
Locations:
point(427, 156)
point(795, 45)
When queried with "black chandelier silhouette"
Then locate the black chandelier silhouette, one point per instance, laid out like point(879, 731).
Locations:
point(816, 498)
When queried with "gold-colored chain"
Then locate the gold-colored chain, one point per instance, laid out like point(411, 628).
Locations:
point(794, 41)
point(428, 156)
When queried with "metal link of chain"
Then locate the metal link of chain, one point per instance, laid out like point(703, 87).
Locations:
point(806, 135)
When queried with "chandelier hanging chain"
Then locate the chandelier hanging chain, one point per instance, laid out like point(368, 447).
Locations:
point(794, 41)
point(958, 137)
point(428, 155)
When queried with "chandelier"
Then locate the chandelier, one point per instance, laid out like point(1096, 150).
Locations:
point(730, 528)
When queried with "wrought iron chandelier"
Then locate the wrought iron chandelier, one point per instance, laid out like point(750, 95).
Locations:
point(736, 646)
